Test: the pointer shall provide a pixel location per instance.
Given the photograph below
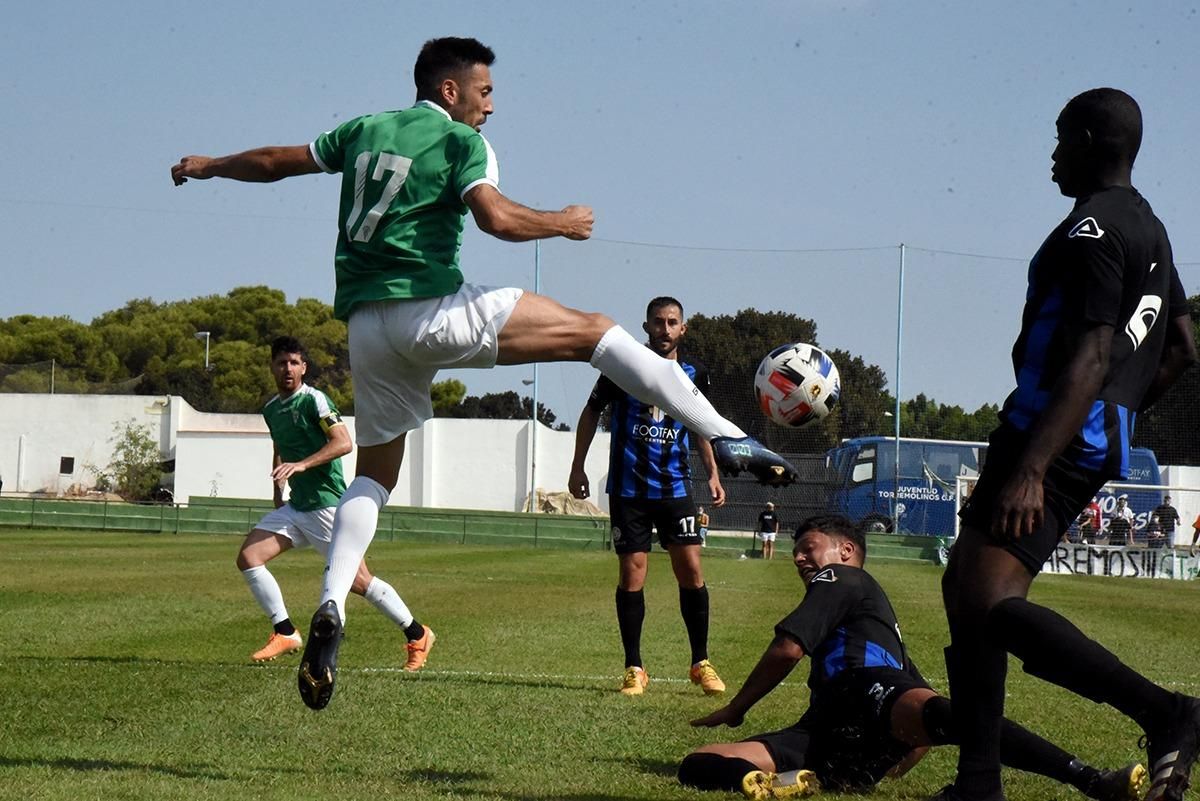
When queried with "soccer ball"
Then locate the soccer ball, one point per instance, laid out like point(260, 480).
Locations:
point(797, 384)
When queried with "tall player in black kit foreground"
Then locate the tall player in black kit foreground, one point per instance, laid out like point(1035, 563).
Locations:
point(649, 488)
point(871, 713)
point(1104, 332)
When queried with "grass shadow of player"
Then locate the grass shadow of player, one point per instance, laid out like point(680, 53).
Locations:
point(444, 778)
point(105, 765)
point(502, 680)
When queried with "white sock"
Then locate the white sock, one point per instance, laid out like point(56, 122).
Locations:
point(265, 590)
point(652, 379)
point(353, 529)
point(383, 596)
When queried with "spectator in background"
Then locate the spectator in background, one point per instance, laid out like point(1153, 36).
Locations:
point(1195, 536)
point(1120, 530)
point(1155, 536)
point(768, 529)
point(1091, 522)
point(1167, 516)
point(702, 525)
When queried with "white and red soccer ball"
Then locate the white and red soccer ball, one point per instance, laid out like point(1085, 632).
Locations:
point(797, 384)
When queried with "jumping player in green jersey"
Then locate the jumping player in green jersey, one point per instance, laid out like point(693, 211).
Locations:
point(309, 440)
point(408, 179)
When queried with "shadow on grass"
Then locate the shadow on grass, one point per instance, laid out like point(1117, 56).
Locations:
point(653, 767)
point(88, 765)
point(445, 777)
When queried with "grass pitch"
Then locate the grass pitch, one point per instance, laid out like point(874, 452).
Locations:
point(126, 675)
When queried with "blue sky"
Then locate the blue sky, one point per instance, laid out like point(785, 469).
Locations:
point(755, 137)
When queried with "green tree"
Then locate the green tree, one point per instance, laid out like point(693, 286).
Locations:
point(446, 395)
point(136, 465)
point(502, 406)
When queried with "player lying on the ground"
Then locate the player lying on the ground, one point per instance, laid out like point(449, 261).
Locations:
point(310, 439)
point(871, 714)
point(408, 179)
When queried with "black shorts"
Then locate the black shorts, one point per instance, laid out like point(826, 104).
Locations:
point(845, 736)
point(633, 520)
point(1066, 490)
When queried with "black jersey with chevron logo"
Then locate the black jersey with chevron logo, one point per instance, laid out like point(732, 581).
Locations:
point(1108, 263)
point(648, 449)
point(845, 622)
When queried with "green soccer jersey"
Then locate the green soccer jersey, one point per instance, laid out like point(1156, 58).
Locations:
point(299, 427)
point(400, 221)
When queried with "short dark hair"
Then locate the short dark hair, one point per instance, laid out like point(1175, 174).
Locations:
point(836, 526)
point(661, 301)
point(444, 58)
point(1114, 119)
point(287, 345)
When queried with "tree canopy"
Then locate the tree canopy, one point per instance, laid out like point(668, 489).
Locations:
point(153, 348)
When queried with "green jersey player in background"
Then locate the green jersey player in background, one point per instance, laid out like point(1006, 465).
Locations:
point(309, 440)
point(408, 179)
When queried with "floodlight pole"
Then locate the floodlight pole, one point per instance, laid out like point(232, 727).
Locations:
point(537, 290)
point(899, 342)
point(206, 336)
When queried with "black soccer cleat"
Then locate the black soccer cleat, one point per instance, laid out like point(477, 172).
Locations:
point(1125, 784)
point(318, 666)
point(734, 455)
point(1172, 751)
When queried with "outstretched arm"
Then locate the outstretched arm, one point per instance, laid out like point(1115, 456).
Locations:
point(773, 667)
point(337, 445)
point(508, 220)
point(262, 165)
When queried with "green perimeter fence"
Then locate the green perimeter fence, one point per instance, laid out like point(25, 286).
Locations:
point(396, 523)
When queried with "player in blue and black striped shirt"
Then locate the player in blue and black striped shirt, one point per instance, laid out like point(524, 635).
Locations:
point(1105, 331)
point(649, 489)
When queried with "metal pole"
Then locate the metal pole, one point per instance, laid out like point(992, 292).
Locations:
point(899, 342)
point(537, 290)
point(207, 337)
point(52, 364)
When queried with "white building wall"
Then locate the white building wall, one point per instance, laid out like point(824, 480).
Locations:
point(468, 464)
point(37, 431)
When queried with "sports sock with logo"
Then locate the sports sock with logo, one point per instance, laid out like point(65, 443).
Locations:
point(384, 597)
point(265, 590)
point(693, 605)
point(652, 379)
point(353, 529)
point(631, 611)
point(1053, 648)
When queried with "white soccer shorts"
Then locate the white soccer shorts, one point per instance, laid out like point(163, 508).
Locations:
point(767, 536)
point(398, 346)
point(313, 528)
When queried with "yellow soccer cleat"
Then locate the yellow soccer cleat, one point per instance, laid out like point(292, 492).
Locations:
point(761, 784)
point(418, 650)
point(634, 682)
point(278, 645)
point(704, 674)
